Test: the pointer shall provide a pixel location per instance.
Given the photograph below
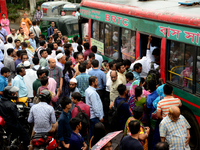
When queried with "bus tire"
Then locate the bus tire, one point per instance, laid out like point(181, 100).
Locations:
point(194, 130)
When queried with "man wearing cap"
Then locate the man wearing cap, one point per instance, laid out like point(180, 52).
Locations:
point(60, 60)
point(3, 34)
point(72, 89)
point(29, 78)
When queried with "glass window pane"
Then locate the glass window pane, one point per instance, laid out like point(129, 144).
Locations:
point(95, 27)
point(128, 44)
point(180, 64)
point(111, 41)
point(101, 31)
point(198, 71)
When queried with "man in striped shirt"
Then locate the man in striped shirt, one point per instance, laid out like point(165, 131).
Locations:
point(167, 102)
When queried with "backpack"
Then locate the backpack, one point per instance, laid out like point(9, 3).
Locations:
point(38, 68)
point(113, 115)
point(36, 98)
point(153, 74)
point(84, 120)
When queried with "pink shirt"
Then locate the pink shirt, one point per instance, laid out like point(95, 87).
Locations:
point(52, 85)
point(83, 107)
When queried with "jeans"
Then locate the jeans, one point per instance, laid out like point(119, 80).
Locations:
point(91, 126)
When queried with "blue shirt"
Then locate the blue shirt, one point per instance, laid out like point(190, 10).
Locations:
point(100, 76)
point(82, 83)
point(33, 43)
point(61, 48)
point(64, 129)
point(18, 61)
point(50, 31)
point(93, 100)
point(19, 82)
point(76, 141)
point(19, 49)
point(136, 75)
point(150, 98)
point(3, 83)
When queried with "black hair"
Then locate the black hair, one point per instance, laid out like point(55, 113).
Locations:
point(16, 40)
point(24, 51)
point(30, 34)
point(82, 68)
point(9, 39)
point(76, 95)
point(168, 89)
point(41, 52)
point(143, 52)
point(137, 66)
point(111, 64)
point(162, 146)
point(68, 69)
point(20, 28)
point(50, 46)
point(24, 44)
point(99, 132)
point(121, 89)
point(52, 21)
point(78, 9)
point(65, 101)
point(36, 60)
point(74, 122)
point(40, 72)
point(54, 44)
point(79, 41)
point(137, 112)
point(120, 60)
point(4, 70)
point(67, 45)
point(92, 79)
point(59, 42)
point(152, 85)
point(49, 51)
point(91, 55)
point(134, 126)
point(118, 65)
point(157, 59)
point(75, 38)
point(19, 69)
point(138, 92)
point(48, 38)
point(42, 36)
point(46, 72)
point(58, 52)
point(86, 45)
point(95, 63)
point(19, 53)
point(9, 51)
point(44, 80)
point(79, 48)
point(67, 52)
point(156, 52)
point(129, 75)
point(23, 54)
point(34, 22)
point(42, 42)
point(94, 49)
point(127, 62)
point(76, 55)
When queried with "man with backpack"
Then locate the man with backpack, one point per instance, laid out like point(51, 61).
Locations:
point(123, 110)
point(81, 109)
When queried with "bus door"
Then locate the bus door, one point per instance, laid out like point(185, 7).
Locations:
point(83, 24)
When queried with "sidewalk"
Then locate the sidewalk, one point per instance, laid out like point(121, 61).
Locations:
point(15, 25)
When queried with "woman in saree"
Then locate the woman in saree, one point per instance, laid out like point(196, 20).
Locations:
point(29, 47)
point(144, 131)
point(26, 30)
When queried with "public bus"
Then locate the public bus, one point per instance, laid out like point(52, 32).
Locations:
point(120, 29)
point(3, 8)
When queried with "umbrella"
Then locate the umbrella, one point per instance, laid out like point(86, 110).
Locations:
point(114, 137)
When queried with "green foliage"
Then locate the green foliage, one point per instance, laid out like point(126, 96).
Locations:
point(12, 10)
point(39, 3)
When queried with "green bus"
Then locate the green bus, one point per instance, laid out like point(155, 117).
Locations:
point(120, 30)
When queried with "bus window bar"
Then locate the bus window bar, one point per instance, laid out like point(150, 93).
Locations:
point(171, 72)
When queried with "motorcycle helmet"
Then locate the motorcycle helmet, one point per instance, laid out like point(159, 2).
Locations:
point(9, 91)
point(45, 96)
point(52, 144)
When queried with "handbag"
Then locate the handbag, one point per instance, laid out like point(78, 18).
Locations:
point(36, 37)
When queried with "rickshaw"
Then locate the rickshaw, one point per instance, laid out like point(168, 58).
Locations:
point(68, 25)
point(70, 8)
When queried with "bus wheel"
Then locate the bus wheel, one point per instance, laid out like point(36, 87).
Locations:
point(194, 130)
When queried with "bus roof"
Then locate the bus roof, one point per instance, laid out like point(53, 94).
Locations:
point(167, 11)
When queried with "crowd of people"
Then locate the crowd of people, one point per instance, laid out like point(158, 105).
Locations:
point(52, 74)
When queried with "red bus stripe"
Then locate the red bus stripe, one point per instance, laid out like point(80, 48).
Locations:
point(137, 44)
point(188, 102)
point(162, 59)
point(89, 30)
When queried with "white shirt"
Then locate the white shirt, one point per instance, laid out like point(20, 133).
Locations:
point(1, 45)
point(38, 66)
point(74, 45)
point(88, 70)
point(13, 38)
point(99, 58)
point(6, 47)
point(29, 78)
point(53, 54)
point(60, 65)
point(36, 32)
point(48, 57)
point(108, 81)
point(149, 60)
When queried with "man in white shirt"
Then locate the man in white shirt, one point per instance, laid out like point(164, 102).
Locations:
point(13, 35)
point(60, 60)
point(1, 45)
point(29, 78)
point(97, 57)
point(112, 66)
point(7, 46)
point(75, 44)
point(35, 30)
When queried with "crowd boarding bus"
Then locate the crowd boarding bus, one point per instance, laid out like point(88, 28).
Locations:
point(120, 29)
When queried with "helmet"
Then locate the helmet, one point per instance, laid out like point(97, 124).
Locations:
point(52, 144)
point(45, 95)
point(8, 92)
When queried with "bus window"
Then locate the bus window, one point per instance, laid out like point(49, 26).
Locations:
point(198, 71)
point(111, 41)
point(181, 64)
point(95, 27)
point(101, 31)
point(128, 44)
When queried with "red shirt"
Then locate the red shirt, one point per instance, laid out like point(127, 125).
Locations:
point(83, 107)
point(86, 53)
